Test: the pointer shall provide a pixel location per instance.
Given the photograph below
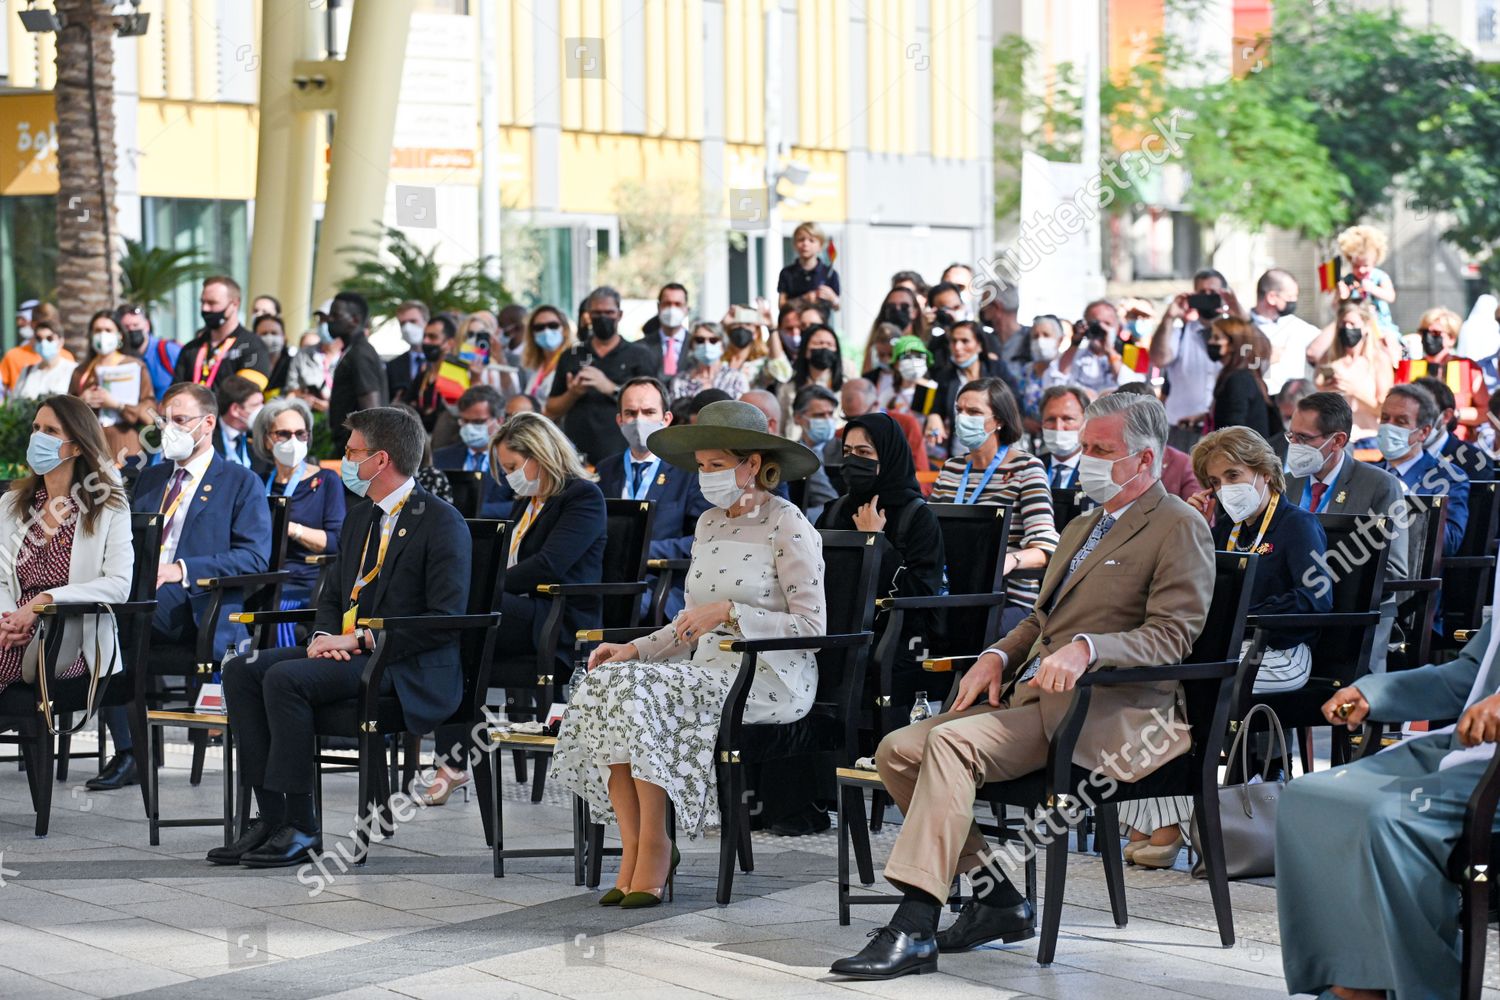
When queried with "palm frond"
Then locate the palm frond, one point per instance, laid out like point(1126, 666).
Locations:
point(394, 270)
point(151, 274)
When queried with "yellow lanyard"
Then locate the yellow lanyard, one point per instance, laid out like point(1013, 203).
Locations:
point(385, 541)
point(1265, 522)
point(532, 510)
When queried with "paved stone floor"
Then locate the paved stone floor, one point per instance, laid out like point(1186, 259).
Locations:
point(93, 911)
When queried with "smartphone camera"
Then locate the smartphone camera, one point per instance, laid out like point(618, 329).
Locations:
point(1206, 303)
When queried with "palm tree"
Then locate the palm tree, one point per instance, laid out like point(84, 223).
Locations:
point(151, 275)
point(403, 271)
point(86, 270)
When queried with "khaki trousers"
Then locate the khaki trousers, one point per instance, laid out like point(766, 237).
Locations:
point(932, 771)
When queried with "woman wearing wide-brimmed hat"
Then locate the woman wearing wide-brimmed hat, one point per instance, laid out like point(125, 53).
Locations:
point(642, 724)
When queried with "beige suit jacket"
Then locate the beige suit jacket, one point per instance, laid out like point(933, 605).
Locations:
point(1141, 597)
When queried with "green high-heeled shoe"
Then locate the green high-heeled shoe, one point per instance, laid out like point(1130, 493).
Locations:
point(612, 897)
point(644, 898)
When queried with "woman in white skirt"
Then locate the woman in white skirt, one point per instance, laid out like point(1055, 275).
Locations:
point(642, 723)
point(1246, 505)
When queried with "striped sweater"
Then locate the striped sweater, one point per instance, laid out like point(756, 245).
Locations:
point(1021, 482)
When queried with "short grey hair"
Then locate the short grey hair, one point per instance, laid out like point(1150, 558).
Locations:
point(397, 432)
point(1145, 423)
point(260, 434)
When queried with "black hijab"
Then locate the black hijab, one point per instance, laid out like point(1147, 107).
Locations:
point(896, 481)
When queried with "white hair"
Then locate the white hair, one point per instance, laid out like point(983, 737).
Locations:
point(1145, 423)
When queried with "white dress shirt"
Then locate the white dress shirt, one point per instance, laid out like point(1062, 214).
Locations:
point(1289, 337)
point(232, 439)
point(197, 468)
point(1191, 373)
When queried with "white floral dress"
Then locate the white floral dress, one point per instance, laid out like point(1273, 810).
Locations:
point(660, 714)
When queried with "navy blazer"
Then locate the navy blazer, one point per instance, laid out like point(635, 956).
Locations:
point(565, 544)
point(258, 465)
point(1468, 457)
point(400, 383)
point(226, 531)
point(426, 571)
point(1427, 477)
point(679, 504)
point(498, 496)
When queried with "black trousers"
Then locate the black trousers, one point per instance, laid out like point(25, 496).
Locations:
point(271, 696)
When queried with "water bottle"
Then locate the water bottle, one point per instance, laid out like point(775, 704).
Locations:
point(920, 709)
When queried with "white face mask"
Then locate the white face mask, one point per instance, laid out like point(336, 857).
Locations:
point(520, 485)
point(106, 342)
point(1044, 349)
point(1096, 476)
point(411, 333)
point(1303, 459)
point(912, 369)
point(1239, 500)
point(250, 416)
point(176, 444)
point(274, 342)
point(289, 453)
point(722, 489)
point(672, 317)
point(637, 432)
point(1060, 442)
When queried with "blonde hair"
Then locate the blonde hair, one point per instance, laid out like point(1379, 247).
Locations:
point(1374, 340)
point(537, 438)
point(1241, 446)
point(1446, 319)
point(811, 229)
point(1363, 241)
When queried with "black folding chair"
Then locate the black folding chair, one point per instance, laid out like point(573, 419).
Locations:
point(1467, 576)
point(21, 710)
point(1417, 607)
point(468, 490)
point(1068, 504)
point(1345, 642)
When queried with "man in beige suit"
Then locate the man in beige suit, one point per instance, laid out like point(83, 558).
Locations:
point(1129, 586)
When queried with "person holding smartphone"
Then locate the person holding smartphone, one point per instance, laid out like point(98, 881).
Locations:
point(1180, 348)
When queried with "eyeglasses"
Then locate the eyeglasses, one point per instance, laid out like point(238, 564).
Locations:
point(283, 436)
point(349, 452)
point(182, 421)
point(1307, 439)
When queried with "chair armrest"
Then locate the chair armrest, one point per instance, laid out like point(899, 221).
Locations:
point(1027, 573)
point(591, 589)
point(1464, 634)
point(811, 642)
point(611, 634)
point(676, 565)
point(1426, 583)
point(947, 664)
point(299, 616)
point(1339, 619)
point(1467, 562)
point(322, 559)
point(445, 623)
point(940, 601)
point(243, 580)
point(72, 608)
point(1111, 676)
point(1472, 853)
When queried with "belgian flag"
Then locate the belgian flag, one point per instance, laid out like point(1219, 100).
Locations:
point(452, 379)
point(1328, 274)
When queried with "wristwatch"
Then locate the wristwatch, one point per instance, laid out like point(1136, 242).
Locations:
point(733, 619)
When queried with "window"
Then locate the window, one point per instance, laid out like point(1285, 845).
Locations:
point(28, 255)
point(218, 231)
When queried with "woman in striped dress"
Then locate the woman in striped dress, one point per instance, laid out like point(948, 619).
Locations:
point(995, 470)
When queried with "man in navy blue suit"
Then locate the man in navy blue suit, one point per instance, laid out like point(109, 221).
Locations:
point(1443, 444)
point(1407, 417)
point(216, 523)
point(407, 554)
point(480, 413)
point(636, 474)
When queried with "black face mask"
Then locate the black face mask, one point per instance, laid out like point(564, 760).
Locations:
point(1215, 353)
point(1288, 308)
point(823, 359)
point(861, 475)
point(1432, 344)
point(899, 315)
point(213, 318)
point(740, 336)
point(135, 339)
point(1350, 336)
point(432, 352)
point(604, 327)
point(944, 319)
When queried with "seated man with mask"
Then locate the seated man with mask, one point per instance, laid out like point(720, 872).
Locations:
point(1129, 586)
point(407, 553)
point(481, 411)
point(636, 474)
point(813, 408)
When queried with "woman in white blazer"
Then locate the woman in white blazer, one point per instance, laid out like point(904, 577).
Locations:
point(64, 537)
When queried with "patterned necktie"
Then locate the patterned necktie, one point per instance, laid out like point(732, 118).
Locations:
point(1089, 545)
point(1318, 489)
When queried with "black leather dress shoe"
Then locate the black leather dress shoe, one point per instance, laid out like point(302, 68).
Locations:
point(119, 772)
point(889, 954)
point(286, 847)
point(979, 924)
point(256, 834)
